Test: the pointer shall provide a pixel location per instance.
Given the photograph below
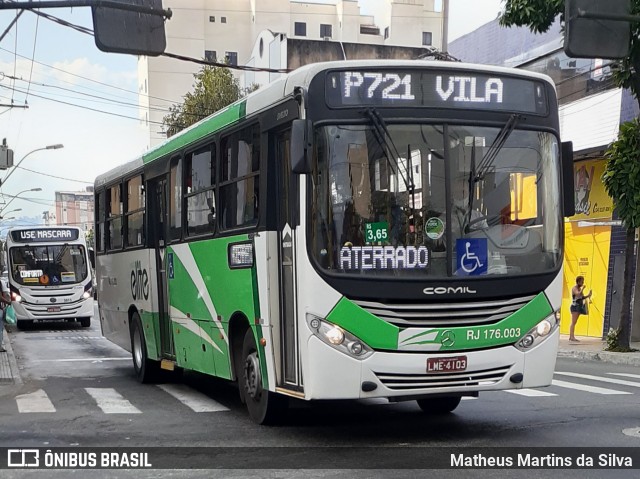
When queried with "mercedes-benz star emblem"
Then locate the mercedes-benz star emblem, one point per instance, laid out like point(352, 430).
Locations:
point(447, 338)
point(53, 300)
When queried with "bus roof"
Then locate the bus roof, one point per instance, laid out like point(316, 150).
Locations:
point(280, 88)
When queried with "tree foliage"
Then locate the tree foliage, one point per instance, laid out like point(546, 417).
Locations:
point(538, 15)
point(621, 178)
point(214, 88)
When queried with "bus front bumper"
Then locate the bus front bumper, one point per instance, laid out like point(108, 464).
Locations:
point(334, 375)
point(43, 312)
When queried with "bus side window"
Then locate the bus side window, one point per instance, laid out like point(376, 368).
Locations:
point(115, 217)
point(175, 201)
point(240, 180)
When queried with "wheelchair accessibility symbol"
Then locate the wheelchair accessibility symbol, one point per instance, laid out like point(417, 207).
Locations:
point(471, 256)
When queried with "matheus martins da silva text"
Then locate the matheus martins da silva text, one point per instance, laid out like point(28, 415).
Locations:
point(546, 461)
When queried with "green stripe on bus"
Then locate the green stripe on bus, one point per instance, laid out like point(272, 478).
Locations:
point(212, 124)
point(508, 331)
point(231, 290)
point(372, 330)
point(150, 326)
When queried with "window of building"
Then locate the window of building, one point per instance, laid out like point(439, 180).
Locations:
point(175, 201)
point(114, 220)
point(231, 57)
point(134, 218)
point(427, 38)
point(369, 30)
point(210, 55)
point(223, 19)
point(386, 33)
point(199, 190)
point(212, 19)
point(239, 182)
point(325, 31)
point(300, 29)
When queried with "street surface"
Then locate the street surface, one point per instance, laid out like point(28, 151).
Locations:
point(80, 390)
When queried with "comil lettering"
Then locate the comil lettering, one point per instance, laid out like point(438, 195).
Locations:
point(467, 89)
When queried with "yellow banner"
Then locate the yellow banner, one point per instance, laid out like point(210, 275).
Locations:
point(592, 201)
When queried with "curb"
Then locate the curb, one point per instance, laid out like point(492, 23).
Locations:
point(629, 359)
point(13, 364)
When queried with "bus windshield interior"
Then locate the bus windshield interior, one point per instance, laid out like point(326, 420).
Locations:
point(435, 201)
point(49, 265)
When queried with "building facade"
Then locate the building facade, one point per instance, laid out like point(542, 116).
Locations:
point(72, 208)
point(591, 110)
point(228, 30)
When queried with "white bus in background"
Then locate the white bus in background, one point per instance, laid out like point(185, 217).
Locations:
point(49, 274)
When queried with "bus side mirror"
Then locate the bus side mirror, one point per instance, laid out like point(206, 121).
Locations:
point(301, 146)
point(568, 188)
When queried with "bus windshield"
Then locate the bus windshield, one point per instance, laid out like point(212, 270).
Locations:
point(48, 265)
point(435, 201)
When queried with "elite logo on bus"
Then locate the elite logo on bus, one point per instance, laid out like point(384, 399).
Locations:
point(139, 282)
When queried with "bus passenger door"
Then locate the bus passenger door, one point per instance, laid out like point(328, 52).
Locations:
point(291, 376)
point(159, 222)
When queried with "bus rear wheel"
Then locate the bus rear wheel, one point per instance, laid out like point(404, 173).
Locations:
point(147, 370)
point(439, 405)
point(265, 407)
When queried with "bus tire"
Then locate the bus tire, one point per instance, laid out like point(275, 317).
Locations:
point(85, 322)
point(147, 370)
point(24, 323)
point(265, 407)
point(439, 405)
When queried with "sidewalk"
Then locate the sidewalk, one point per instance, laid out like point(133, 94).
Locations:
point(593, 349)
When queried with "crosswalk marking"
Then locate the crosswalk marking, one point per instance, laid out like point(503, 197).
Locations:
point(111, 401)
point(529, 392)
point(626, 375)
point(192, 399)
point(622, 382)
point(37, 401)
point(584, 387)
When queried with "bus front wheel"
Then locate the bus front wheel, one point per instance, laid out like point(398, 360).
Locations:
point(85, 322)
point(439, 405)
point(146, 369)
point(265, 407)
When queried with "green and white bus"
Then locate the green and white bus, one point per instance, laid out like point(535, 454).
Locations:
point(356, 229)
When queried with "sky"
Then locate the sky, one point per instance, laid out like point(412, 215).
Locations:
point(63, 78)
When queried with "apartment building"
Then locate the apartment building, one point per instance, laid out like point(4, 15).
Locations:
point(229, 30)
point(72, 208)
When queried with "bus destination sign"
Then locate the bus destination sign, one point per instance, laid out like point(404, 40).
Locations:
point(435, 89)
point(39, 235)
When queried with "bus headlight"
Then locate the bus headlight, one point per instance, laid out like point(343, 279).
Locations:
point(538, 333)
point(87, 294)
point(338, 338)
point(16, 297)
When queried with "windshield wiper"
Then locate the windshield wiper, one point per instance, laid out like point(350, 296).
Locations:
point(59, 256)
point(496, 146)
point(382, 135)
